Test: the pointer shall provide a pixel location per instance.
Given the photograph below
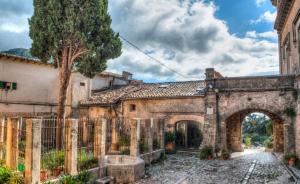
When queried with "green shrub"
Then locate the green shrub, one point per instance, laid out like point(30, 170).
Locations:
point(269, 143)
point(125, 151)
point(206, 152)
point(225, 154)
point(143, 146)
point(53, 159)
point(288, 156)
point(156, 144)
point(124, 140)
point(169, 137)
point(86, 160)
point(82, 178)
point(248, 141)
point(7, 176)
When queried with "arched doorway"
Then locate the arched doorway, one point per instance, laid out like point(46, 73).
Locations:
point(188, 135)
point(234, 129)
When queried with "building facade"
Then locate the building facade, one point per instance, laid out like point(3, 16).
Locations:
point(29, 87)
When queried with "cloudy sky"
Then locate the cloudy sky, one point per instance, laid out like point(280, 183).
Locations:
point(234, 36)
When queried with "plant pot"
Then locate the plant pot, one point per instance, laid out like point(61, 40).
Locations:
point(170, 146)
point(43, 175)
point(209, 157)
point(292, 161)
point(57, 171)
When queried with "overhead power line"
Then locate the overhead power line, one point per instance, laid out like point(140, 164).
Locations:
point(155, 59)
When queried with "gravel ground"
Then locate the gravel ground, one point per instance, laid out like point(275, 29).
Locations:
point(187, 169)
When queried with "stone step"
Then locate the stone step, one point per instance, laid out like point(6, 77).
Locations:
point(105, 180)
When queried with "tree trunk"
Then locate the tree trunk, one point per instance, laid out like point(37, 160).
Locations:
point(64, 79)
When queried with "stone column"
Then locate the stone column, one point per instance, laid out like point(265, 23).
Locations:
point(114, 134)
point(71, 135)
point(33, 151)
point(135, 137)
point(12, 140)
point(100, 138)
point(162, 133)
point(2, 125)
point(85, 132)
point(289, 139)
point(150, 135)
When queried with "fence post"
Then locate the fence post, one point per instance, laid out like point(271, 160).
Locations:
point(2, 125)
point(33, 151)
point(162, 134)
point(135, 137)
point(12, 140)
point(150, 135)
point(71, 135)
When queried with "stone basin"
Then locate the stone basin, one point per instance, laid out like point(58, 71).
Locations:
point(125, 169)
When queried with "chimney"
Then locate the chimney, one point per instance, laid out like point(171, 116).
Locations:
point(127, 75)
point(210, 73)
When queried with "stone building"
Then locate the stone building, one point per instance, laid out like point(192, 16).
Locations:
point(287, 25)
point(30, 87)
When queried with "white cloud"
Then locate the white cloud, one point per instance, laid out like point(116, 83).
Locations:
point(260, 2)
point(195, 37)
point(265, 17)
point(268, 34)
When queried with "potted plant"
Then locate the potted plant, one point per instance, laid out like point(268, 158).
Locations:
point(170, 141)
point(290, 158)
point(225, 155)
point(54, 161)
point(206, 153)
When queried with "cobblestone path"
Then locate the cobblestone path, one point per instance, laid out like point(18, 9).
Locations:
point(187, 169)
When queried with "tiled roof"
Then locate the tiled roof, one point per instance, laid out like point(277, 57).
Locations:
point(158, 90)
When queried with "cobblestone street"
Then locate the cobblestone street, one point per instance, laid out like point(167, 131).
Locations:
point(187, 169)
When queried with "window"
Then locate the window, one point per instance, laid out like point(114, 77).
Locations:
point(132, 107)
point(8, 85)
point(82, 84)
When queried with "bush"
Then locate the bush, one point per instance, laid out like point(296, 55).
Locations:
point(225, 155)
point(82, 178)
point(288, 156)
point(143, 146)
point(156, 144)
point(206, 152)
point(169, 137)
point(269, 143)
point(124, 140)
point(248, 141)
point(86, 160)
point(8, 176)
point(125, 151)
point(53, 159)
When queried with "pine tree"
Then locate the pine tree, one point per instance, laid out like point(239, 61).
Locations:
point(73, 34)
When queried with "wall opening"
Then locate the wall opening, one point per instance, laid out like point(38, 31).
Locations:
point(188, 135)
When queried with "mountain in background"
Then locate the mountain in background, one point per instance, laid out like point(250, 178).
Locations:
point(19, 52)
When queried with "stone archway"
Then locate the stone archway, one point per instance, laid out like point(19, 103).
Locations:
point(233, 130)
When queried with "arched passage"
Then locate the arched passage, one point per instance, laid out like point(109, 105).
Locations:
point(234, 129)
point(188, 134)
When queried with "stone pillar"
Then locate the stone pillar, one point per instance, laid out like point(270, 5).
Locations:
point(162, 133)
point(33, 151)
point(100, 138)
point(2, 125)
point(135, 137)
point(85, 132)
point(12, 140)
point(150, 135)
point(71, 135)
point(289, 139)
point(186, 134)
point(114, 134)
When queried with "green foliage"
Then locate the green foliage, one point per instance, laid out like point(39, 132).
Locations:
point(124, 140)
point(82, 178)
point(79, 25)
point(225, 154)
point(156, 144)
point(205, 152)
point(125, 151)
point(53, 159)
point(169, 137)
point(7, 176)
point(143, 145)
point(86, 160)
point(298, 164)
point(269, 128)
point(19, 52)
point(290, 112)
point(288, 156)
point(248, 141)
point(269, 143)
